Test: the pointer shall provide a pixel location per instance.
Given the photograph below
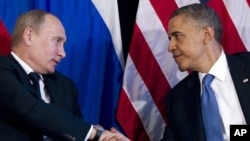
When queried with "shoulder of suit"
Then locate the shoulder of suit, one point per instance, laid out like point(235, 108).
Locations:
point(2, 57)
point(188, 81)
point(57, 76)
point(240, 57)
point(244, 55)
point(5, 60)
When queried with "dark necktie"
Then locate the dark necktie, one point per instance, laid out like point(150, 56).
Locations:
point(210, 112)
point(35, 80)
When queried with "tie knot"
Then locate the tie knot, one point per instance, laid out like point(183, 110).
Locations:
point(34, 77)
point(208, 79)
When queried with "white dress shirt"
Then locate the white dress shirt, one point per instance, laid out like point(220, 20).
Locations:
point(227, 99)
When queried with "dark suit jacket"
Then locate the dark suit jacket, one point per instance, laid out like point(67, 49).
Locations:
point(183, 101)
point(25, 117)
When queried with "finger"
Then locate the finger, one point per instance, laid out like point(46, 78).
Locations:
point(114, 130)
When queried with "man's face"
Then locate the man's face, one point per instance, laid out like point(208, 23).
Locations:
point(48, 45)
point(186, 43)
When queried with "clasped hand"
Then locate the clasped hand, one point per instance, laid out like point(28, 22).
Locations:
point(113, 135)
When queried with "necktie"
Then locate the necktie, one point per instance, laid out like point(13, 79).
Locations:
point(35, 79)
point(210, 112)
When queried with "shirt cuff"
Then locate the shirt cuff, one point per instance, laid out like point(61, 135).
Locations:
point(89, 133)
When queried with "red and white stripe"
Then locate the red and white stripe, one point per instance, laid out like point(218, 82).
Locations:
point(150, 71)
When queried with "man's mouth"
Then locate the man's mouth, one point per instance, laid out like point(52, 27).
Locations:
point(176, 55)
point(56, 61)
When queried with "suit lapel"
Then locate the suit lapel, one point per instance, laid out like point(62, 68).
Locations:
point(50, 81)
point(21, 75)
point(241, 77)
point(192, 102)
point(51, 86)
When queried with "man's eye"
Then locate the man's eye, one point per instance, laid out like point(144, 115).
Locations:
point(177, 35)
point(57, 41)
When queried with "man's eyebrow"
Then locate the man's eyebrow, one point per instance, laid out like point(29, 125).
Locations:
point(59, 38)
point(173, 34)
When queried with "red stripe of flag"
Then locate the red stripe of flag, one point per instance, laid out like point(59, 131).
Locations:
point(149, 70)
point(231, 40)
point(164, 9)
point(129, 119)
point(248, 1)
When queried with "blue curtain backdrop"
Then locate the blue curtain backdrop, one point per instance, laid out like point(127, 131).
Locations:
point(91, 60)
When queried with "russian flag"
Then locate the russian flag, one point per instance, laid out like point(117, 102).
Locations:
point(94, 50)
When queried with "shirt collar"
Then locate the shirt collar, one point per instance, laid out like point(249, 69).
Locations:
point(24, 65)
point(219, 68)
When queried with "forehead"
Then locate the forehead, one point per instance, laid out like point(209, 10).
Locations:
point(54, 26)
point(180, 22)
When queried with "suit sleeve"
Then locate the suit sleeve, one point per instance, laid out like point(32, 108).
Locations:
point(21, 105)
point(168, 132)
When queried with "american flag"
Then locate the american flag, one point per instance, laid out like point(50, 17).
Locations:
point(150, 70)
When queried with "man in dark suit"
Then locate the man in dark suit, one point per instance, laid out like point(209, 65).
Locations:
point(195, 33)
point(52, 112)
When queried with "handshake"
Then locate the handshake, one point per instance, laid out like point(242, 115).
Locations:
point(100, 134)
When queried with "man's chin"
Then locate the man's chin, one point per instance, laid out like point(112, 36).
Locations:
point(182, 69)
point(51, 71)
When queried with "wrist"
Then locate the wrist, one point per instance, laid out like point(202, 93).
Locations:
point(98, 132)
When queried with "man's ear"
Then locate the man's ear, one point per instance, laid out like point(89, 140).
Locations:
point(208, 34)
point(27, 35)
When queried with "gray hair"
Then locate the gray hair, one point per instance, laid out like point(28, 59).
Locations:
point(203, 16)
point(33, 19)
